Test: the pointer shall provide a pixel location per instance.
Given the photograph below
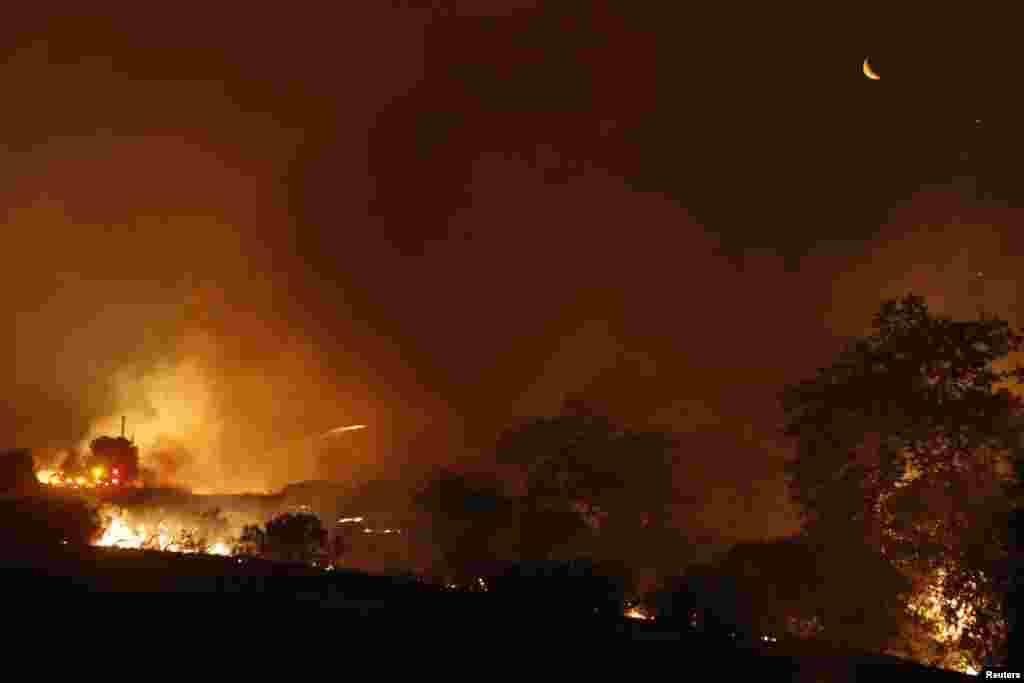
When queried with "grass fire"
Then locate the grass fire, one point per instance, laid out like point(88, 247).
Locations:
point(122, 530)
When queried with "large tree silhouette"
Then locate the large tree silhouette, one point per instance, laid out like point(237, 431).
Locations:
point(116, 453)
point(472, 523)
point(616, 481)
point(293, 537)
point(904, 441)
point(583, 459)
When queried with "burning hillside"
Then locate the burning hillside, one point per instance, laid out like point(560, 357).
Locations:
point(110, 464)
point(148, 530)
point(130, 515)
point(134, 515)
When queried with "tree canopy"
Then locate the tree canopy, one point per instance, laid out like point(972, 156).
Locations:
point(791, 587)
point(584, 459)
point(116, 453)
point(292, 536)
point(906, 440)
point(605, 488)
point(593, 489)
point(474, 525)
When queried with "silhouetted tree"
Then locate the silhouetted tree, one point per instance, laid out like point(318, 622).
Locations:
point(779, 582)
point(900, 442)
point(618, 481)
point(467, 518)
point(251, 541)
point(544, 529)
point(28, 522)
point(294, 537)
point(860, 597)
point(115, 453)
point(790, 588)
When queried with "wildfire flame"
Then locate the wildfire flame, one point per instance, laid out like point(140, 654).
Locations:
point(929, 605)
point(636, 613)
point(98, 480)
point(121, 533)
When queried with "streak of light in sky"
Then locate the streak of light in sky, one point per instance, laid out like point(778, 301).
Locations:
point(338, 430)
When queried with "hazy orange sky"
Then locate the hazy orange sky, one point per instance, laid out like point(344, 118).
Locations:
point(435, 224)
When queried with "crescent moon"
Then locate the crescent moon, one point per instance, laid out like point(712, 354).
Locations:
point(869, 72)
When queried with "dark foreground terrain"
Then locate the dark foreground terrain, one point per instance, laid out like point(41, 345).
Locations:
point(404, 608)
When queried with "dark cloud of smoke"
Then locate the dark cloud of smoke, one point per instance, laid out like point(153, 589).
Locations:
point(240, 258)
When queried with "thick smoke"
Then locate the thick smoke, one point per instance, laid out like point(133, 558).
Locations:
point(140, 294)
point(228, 417)
point(163, 265)
point(152, 270)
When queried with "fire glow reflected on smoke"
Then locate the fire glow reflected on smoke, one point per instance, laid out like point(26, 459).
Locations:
point(206, 423)
point(173, 415)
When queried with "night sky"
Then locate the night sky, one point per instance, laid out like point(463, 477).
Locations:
point(241, 229)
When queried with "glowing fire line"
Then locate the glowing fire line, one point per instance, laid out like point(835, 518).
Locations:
point(120, 533)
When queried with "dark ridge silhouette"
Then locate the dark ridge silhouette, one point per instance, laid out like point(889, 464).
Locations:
point(17, 473)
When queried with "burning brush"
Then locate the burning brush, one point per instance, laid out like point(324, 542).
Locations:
point(123, 531)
